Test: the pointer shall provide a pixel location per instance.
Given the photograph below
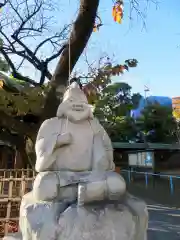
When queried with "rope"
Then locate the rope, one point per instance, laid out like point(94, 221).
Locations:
point(69, 49)
point(69, 77)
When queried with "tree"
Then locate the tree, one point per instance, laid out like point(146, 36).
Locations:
point(26, 20)
point(113, 110)
point(3, 65)
point(136, 97)
point(158, 124)
point(20, 105)
point(32, 19)
point(27, 33)
point(79, 37)
point(114, 101)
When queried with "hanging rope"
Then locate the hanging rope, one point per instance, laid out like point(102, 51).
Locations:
point(69, 49)
point(69, 75)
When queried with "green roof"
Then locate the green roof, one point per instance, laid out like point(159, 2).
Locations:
point(150, 146)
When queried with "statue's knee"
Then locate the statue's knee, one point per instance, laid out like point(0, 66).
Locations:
point(45, 186)
point(110, 188)
point(91, 191)
point(116, 186)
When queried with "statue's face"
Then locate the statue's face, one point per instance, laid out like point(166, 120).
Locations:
point(75, 110)
point(76, 106)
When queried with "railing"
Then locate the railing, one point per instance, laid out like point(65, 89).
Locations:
point(16, 173)
point(149, 178)
point(13, 185)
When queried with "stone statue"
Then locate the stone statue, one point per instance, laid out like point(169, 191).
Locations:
point(76, 193)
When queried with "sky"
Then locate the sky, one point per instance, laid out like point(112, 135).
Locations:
point(156, 46)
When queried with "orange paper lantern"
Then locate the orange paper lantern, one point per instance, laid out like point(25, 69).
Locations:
point(117, 12)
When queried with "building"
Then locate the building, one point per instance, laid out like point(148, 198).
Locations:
point(166, 156)
point(176, 107)
point(163, 101)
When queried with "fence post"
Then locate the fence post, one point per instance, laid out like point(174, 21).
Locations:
point(129, 176)
point(8, 213)
point(1, 186)
point(171, 185)
point(146, 179)
point(23, 185)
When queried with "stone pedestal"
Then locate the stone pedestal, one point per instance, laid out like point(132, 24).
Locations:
point(39, 220)
point(118, 220)
point(15, 236)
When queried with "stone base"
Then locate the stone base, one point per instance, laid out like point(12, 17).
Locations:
point(38, 220)
point(139, 211)
point(126, 219)
point(98, 222)
point(14, 236)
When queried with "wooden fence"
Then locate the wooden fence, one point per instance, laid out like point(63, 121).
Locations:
point(14, 183)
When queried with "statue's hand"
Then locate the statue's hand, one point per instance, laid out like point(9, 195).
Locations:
point(64, 139)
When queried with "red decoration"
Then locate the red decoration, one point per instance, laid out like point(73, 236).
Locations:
point(12, 227)
point(117, 12)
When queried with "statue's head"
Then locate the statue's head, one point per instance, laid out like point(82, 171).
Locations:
point(75, 105)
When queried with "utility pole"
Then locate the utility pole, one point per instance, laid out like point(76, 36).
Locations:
point(146, 89)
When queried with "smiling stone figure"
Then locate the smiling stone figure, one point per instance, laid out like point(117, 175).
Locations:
point(76, 193)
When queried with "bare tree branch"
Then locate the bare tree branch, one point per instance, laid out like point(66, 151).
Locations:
point(29, 19)
point(140, 9)
point(14, 71)
point(3, 3)
point(57, 36)
point(21, 63)
point(56, 54)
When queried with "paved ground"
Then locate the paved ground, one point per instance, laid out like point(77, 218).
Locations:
point(164, 223)
point(164, 210)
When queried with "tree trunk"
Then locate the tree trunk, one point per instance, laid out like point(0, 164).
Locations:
point(19, 142)
point(80, 34)
point(23, 154)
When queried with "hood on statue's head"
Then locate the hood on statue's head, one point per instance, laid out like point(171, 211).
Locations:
point(74, 105)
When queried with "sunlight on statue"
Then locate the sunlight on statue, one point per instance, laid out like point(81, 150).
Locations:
point(76, 193)
point(65, 142)
point(73, 144)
